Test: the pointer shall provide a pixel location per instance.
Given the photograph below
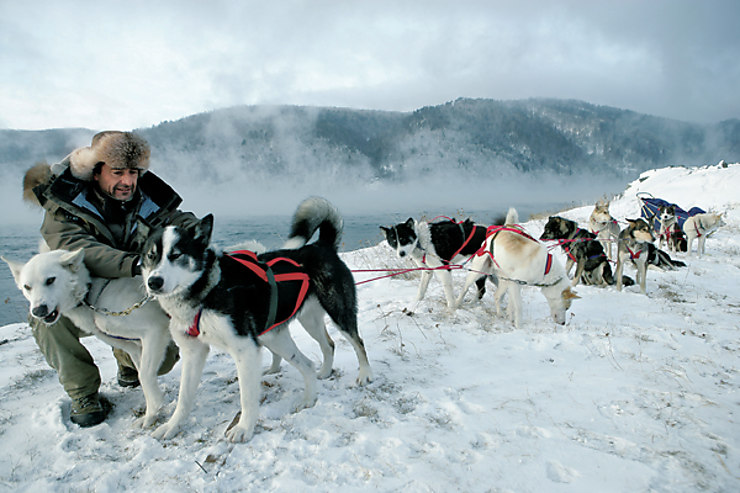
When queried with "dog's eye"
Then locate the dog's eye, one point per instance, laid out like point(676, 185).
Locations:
point(27, 287)
point(174, 256)
point(50, 281)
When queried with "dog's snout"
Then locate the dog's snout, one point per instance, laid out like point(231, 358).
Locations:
point(155, 283)
point(40, 311)
point(401, 253)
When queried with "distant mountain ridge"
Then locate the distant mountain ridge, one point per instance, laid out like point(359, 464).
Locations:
point(481, 136)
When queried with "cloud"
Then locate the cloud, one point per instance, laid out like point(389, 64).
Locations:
point(134, 64)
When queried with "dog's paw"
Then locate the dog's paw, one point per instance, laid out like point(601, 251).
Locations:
point(145, 421)
point(324, 373)
point(304, 403)
point(365, 377)
point(165, 431)
point(239, 433)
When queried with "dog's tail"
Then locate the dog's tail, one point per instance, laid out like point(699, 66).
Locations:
point(315, 213)
point(663, 261)
point(512, 217)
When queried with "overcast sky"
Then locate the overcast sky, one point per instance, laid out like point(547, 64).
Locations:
point(134, 64)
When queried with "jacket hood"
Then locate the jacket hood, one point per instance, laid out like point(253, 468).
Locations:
point(38, 175)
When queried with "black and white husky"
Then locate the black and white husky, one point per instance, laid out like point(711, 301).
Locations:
point(436, 245)
point(670, 232)
point(241, 301)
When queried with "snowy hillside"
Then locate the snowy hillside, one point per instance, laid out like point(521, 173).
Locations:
point(635, 393)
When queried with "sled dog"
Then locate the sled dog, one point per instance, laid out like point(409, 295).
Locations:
point(633, 246)
point(699, 227)
point(435, 245)
point(582, 249)
point(670, 232)
point(241, 301)
point(518, 259)
point(58, 283)
point(604, 226)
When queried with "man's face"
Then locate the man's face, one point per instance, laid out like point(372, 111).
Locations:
point(119, 184)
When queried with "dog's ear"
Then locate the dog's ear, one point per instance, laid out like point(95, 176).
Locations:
point(15, 268)
point(410, 222)
point(72, 260)
point(385, 231)
point(568, 294)
point(204, 228)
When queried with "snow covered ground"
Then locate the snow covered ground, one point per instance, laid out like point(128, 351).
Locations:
point(635, 393)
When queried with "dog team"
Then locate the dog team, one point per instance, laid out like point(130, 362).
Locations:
point(120, 261)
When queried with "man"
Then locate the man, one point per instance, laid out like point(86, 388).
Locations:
point(101, 198)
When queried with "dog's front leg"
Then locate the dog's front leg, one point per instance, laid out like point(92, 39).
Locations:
point(194, 354)
point(446, 279)
point(642, 274)
point(568, 266)
point(426, 275)
point(700, 245)
point(580, 266)
point(246, 356)
point(619, 269)
point(153, 348)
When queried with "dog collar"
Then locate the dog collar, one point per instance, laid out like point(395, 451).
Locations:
point(194, 329)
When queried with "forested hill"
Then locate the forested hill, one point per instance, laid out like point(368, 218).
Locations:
point(487, 137)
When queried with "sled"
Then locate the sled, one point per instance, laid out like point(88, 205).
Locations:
point(650, 210)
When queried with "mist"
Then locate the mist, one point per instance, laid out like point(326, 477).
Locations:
point(461, 157)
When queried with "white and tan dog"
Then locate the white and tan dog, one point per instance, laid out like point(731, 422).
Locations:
point(604, 226)
point(518, 259)
point(699, 227)
point(57, 283)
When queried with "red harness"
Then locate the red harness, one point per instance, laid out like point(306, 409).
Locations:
point(494, 230)
point(634, 255)
point(465, 243)
point(249, 260)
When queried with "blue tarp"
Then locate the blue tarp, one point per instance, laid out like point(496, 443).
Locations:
point(650, 210)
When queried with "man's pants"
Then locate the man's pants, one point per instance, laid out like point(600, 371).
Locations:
point(60, 345)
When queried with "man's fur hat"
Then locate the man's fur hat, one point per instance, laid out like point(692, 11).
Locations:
point(119, 150)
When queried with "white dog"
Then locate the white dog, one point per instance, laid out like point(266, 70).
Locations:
point(700, 226)
point(518, 259)
point(58, 283)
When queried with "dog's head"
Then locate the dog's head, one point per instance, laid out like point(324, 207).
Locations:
point(639, 230)
point(600, 213)
point(715, 220)
point(558, 228)
point(402, 237)
point(560, 298)
point(174, 258)
point(52, 282)
point(667, 213)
